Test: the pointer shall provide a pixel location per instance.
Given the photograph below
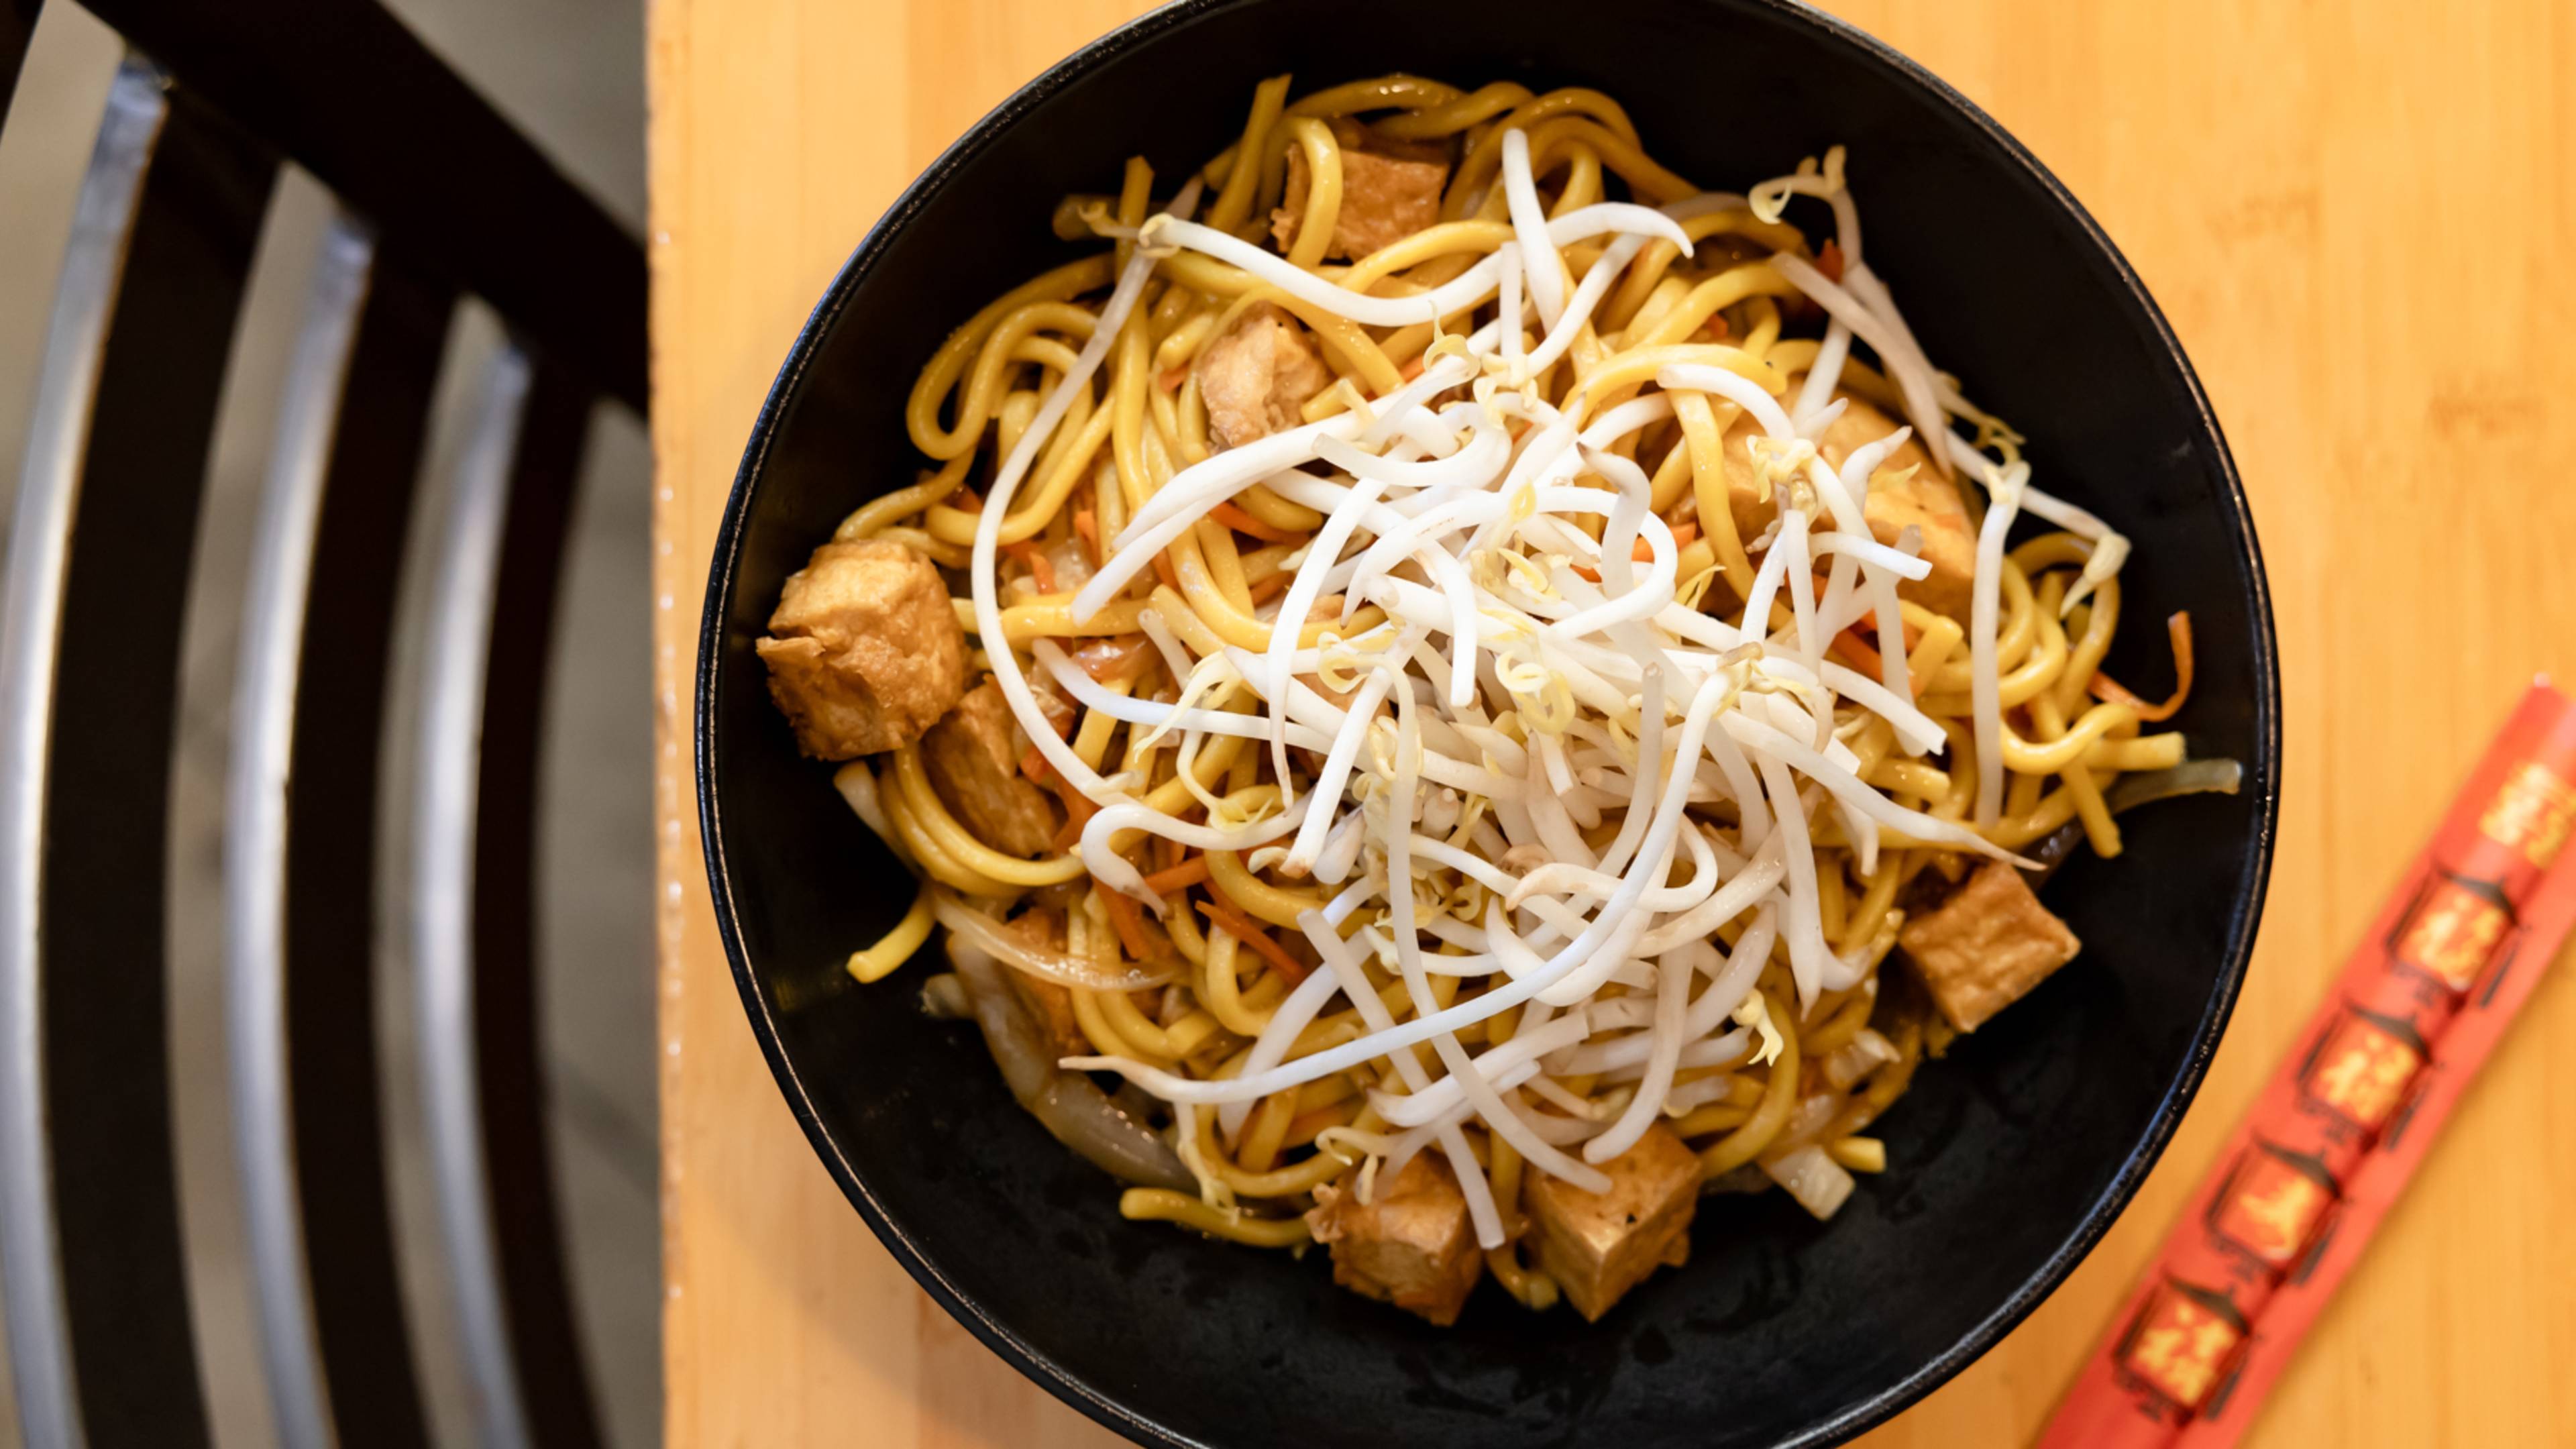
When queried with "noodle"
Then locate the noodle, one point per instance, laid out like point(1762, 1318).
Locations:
point(1514, 743)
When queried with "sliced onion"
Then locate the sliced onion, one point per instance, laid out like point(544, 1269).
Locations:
point(1071, 562)
point(1073, 1111)
point(944, 998)
point(973, 927)
point(1082, 1117)
point(1858, 1058)
point(1008, 1033)
point(858, 785)
point(2054, 850)
point(2191, 777)
point(1114, 658)
point(1818, 1182)
point(1807, 1122)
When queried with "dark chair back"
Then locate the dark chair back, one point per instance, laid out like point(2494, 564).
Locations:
point(439, 199)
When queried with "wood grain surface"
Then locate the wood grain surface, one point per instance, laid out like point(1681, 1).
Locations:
point(2358, 217)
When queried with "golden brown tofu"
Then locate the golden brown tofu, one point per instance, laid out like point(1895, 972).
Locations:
point(1986, 946)
point(864, 651)
point(973, 759)
point(1597, 1246)
point(1925, 500)
point(1256, 377)
point(1389, 191)
point(1410, 1245)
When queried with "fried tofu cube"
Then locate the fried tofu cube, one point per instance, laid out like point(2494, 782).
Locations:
point(1924, 500)
point(1985, 947)
point(1411, 1244)
point(1256, 376)
point(1390, 190)
point(973, 759)
point(1597, 1246)
point(864, 650)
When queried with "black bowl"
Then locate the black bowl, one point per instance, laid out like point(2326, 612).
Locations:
point(2007, 1160)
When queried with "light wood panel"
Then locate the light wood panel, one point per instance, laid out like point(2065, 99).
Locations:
point(2358, 219)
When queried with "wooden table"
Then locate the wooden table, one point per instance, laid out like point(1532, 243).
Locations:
point(2358, 217)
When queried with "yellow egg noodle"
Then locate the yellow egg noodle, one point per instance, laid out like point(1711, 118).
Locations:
point(1593, 785)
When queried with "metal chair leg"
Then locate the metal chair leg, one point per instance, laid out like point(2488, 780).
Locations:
point(473, 903)
point(89, 1219)
point(300, 850)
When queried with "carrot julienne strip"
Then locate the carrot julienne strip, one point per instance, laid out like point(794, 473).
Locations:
point(1242, 522)
point(1241, 928)
point(1129, 923)
point(1188, 873)
point(2104, 687)
point(1041, 568)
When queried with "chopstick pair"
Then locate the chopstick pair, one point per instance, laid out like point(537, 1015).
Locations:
point(2351, 1112)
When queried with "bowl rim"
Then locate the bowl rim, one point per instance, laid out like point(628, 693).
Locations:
point(1036, 1364)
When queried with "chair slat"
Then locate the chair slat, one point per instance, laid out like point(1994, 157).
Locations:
point(300, 849)
point(99, 561)
point(473, 904)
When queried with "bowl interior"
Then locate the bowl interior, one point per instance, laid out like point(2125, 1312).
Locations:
point(2006, 1160)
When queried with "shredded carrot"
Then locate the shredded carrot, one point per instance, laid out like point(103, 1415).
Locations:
point(1271, 587)
point(2104, 687)
point(1076, 804)
point(1905, 628)
point(1241, 928)
point(1065, 835)
point(1086, 528)
point(1130, 925)
point(1041, 568)
point(1714, 329)
point(1169, 851)
point(1174, 378)
point(1411, 370)
point(1829, 260)
point(966, 500)
point(1163, 570)
point(1188, 873)
point(1034, 765)
point(1242, 522)
point(1683, 534)
point(1852, 645)
point(1077, 813)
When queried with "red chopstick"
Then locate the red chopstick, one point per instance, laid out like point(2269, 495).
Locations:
point(2349, 1116)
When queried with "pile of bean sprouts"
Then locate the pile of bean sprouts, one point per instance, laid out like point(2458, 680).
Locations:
point(1515, 663)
